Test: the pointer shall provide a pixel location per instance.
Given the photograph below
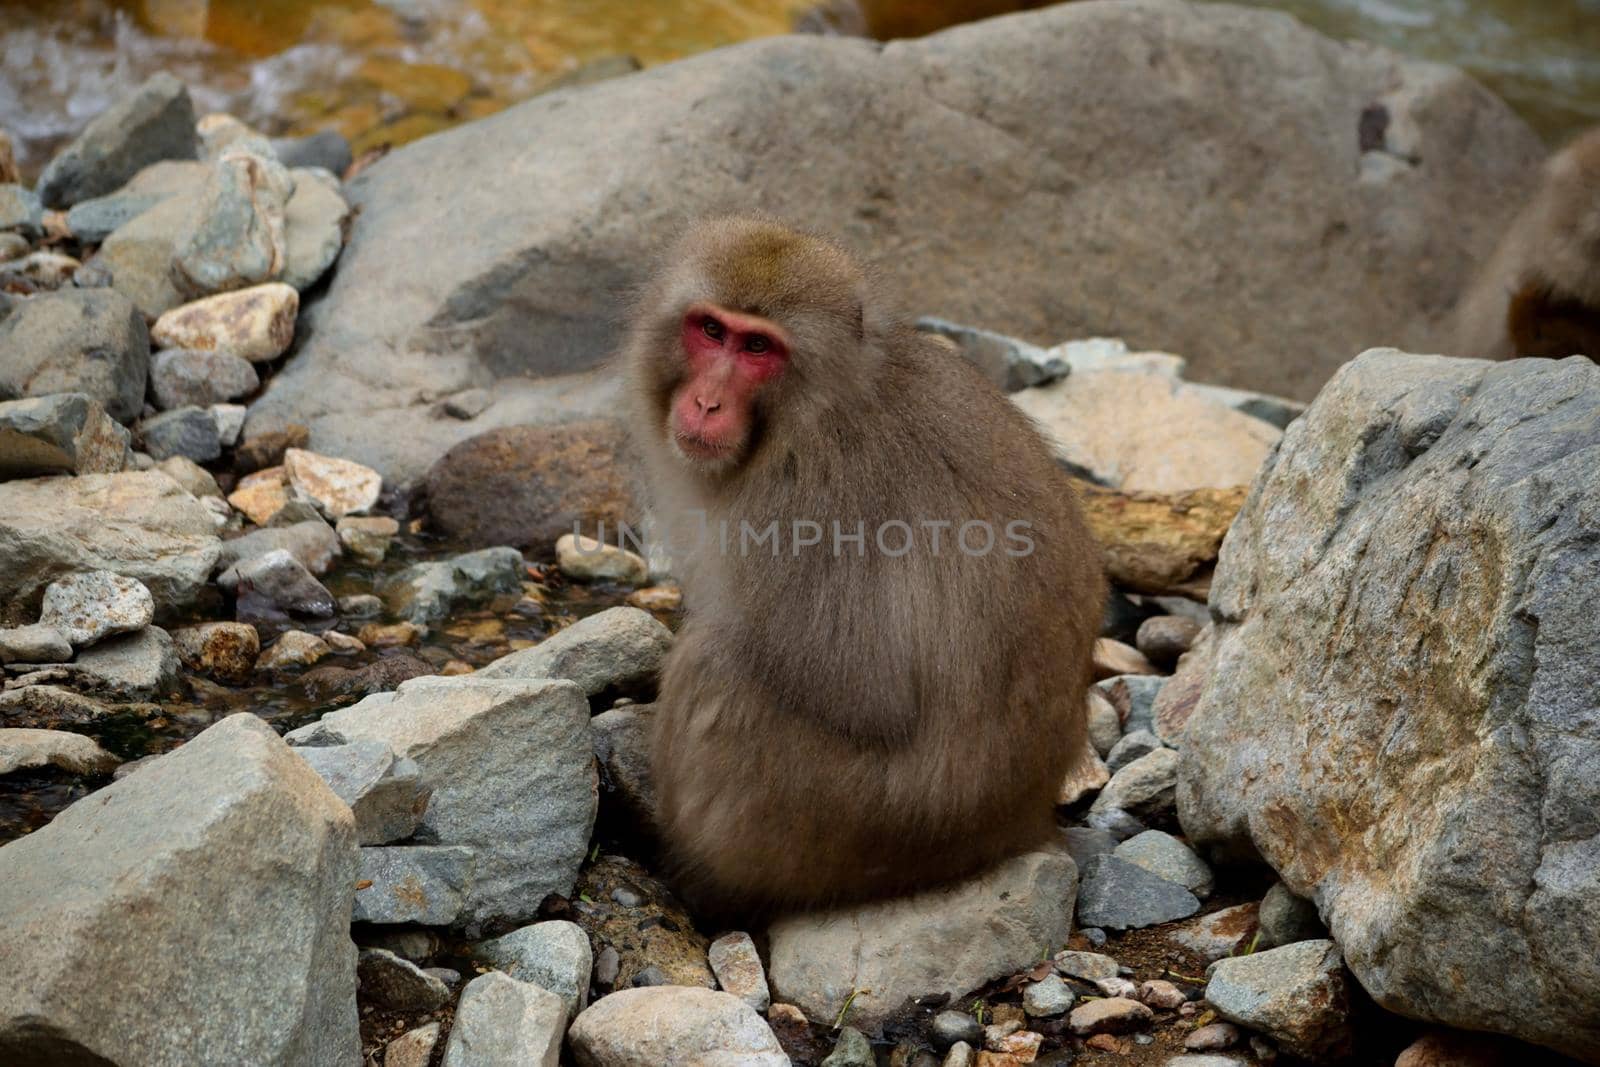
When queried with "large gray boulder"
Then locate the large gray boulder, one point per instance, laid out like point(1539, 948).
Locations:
point(195, 912)
point(140, 524)
point(874, 956)
point(1401, 714)
point(511, 766)
point(1064, 173)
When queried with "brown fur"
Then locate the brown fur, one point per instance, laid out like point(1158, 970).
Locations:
point(836, 728)
point(1539, 294)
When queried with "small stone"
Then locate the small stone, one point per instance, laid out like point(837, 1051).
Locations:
point(1206, 1061)
point(1118, 895)
point(467, 404)
point(380, 676)
point(504, 1021)
point(397, 984)
point(656, 598)
point(91, 606)
point(1286, 918)
point(424, 884)
point(1131, 747)
point(338, 486)
point(1146, 786)
point(960, 1055)
point(35, 643)
point(650, 976)
point(343, 644)
point(12, 245)
point(1166, 857)
point(312, 542)
point(428, 592)
point(153, 123)
point(1298, 995)
point(586, 560)
point(89, 341)
point(92, 221)
point(360, 606)
point(1450, 1048)
point(230, 422)
point(384, 791)
point(136, 260)
point(1163, 638)
point(315, 220)
point(1213, 1037)
point(226, 651)
point(1105, 725)
point(1222, 933)
point(607, 966)
point(616, 650)
point(1113, 1015)
point(261, 495)
point(1089, 776)
point(738, 968)
point(1117, 986)
point(1162, 995)
point(256, 324)
point(1093, 936)
point(852, 1049)
point(281, 581)
point(1048, 997)
point(1134, 696)
point(673, 1024)
point(45, 269)
point(187, 431)
point(235, 235)
point(20, 210)
point(293, 648)
point(184, 377)
point(950, 1027)
point(367, 538)
point(24, 749)
point(553, 955)
point(264, 450)
point(1112, 658)
point(1118, 823)
point(327, 149)
point(189, 474)
point(1085, 842)
point(1021, 1046)
point(1087, 966)
point(393, 635)
point(414, 1048)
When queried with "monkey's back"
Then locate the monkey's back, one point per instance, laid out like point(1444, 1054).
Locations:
point(849, 727)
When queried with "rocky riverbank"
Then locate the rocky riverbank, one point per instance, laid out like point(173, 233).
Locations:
point(318, 755)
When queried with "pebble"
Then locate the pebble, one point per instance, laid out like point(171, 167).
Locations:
point(1221, 933)
point(1085, 779)
point(34, 643)
point(183, 377)
point(195, 479)
point(398, 984)
point(390, 635)
point(92, 221)
point(1146, 786)
point(1112, 658)
point(12, 245)
point(230, 422)
point(264, 450)
point(1163, 638)
point(1204, 1061)
point(960, 1055)
point(24, 749)
point(1166, 857)
point(328, 149)
point(20, 210)
point(293, 648)
point(343, 644)
point(190, 432)
point(367, 537)
point(738, 968)
point(48, 270)
point(360, 606)
point(1048, 997)
point(1130, 747)
point(280, 580)
point(226, 651)
point(414, 1048)
point(500, 1020)
point(607, 966)
point(338, 486)
point(1162, 995)
point(1117, 986)
point(256, 324)
point(950, 1027)
point(1020, 1045)
point(1114, 1015)
point(656, 598)
point(586, 560)
point(1118, 895)
point(1087, 966)
point(1285, 918)
point(1104, 724)
point(93, 605)
point(315, 219)
point(1213, 1037)
point(852, 1049)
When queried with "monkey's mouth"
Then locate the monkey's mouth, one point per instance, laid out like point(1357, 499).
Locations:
point(705, 450)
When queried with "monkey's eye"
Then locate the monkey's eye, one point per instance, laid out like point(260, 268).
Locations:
point(713, 329)
point(757, 344)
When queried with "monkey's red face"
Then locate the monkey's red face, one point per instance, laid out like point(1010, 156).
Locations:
point(730, 358)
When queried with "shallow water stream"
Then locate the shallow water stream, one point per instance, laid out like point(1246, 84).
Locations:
point(395, 70)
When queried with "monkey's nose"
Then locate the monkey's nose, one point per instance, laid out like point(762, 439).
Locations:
point(707, 406)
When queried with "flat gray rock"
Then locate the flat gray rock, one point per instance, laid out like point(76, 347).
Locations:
point(1166, 857)
point(424, 884)
point(388, 981)
point(141, 918)
point(615, 649)
point(553, 955)
point(136, 666)
point(1118, 895)
point(385, 792)
point(189, 432)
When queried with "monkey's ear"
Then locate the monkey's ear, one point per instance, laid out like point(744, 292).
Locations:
point(1543, 324)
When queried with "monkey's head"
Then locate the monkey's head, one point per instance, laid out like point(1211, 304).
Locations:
point(748, 327)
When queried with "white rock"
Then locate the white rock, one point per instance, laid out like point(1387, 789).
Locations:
point(586, 560)
point(255, 323)
point(23, 749)
point(96, 604)
point(337, 486)
point(658, 1025)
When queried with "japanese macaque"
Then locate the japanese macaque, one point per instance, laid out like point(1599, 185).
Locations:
point(1539, 294)
point(891, 593)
